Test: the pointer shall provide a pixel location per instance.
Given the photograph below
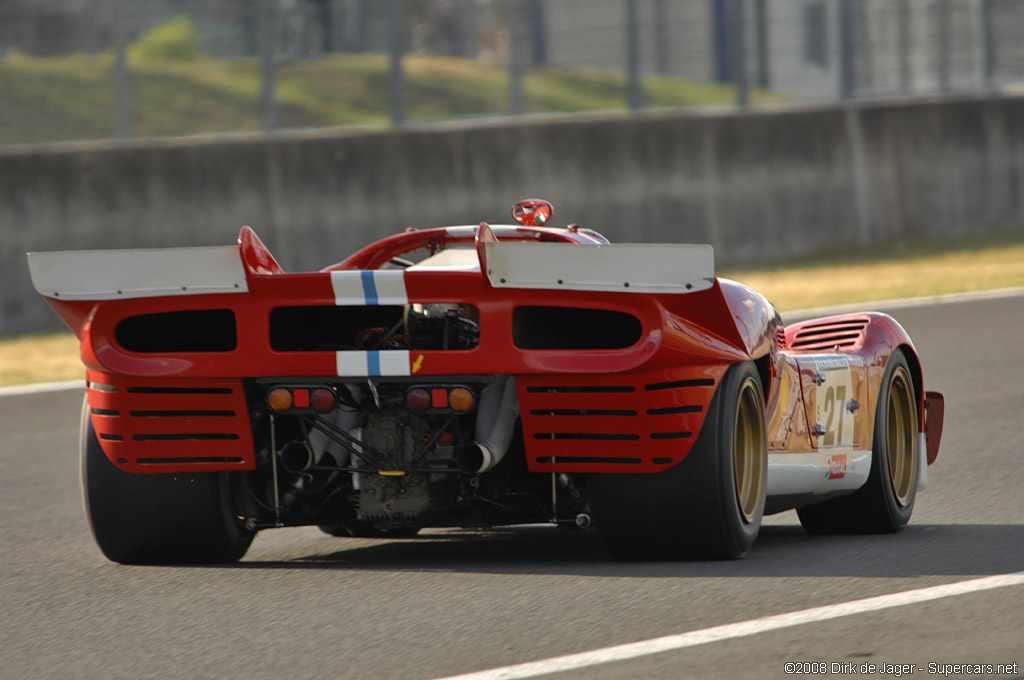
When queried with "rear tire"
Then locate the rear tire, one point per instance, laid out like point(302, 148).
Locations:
point(710, 505)
point(157, 518)
point(885, 502)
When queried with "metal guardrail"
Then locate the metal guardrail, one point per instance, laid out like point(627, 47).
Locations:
point(88, 69)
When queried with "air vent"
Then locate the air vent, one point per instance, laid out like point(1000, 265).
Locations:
point(827, 336)
point(574, 328)
point(198, 330)
point(155, 425)
point(596, 427)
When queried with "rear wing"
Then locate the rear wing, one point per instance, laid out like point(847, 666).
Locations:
point(159, 272)
point(151, 272)
point(627, 267)
point(114, 274)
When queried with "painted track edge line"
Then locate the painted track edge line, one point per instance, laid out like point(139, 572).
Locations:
point(741, 629)
point(40, 388)
point(901, 303)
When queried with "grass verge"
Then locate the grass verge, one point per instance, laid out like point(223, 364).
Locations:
point(911, 269)
point(47, 99)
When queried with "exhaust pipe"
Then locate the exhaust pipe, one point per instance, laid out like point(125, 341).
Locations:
point(476, 457)
point(496, 422)
point(343, 418)
point(296, 457)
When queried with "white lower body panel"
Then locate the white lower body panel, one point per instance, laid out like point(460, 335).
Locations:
point(821, 472)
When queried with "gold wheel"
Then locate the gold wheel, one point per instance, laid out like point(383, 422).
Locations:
point(748, 451)
point(901, 437)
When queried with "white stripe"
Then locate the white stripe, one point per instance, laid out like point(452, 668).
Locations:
point(741, 629)
point(348, 288)
point(902, 303)
point(351, 363)
point(390, 287)
point(38, 388)
point(394, 362)
point(356, 363)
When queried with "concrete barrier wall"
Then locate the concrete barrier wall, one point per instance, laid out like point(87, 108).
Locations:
point(758, 186)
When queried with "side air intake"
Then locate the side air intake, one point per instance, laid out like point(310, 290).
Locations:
point(828, 335)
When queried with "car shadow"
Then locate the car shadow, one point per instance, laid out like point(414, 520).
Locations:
point(780, 551)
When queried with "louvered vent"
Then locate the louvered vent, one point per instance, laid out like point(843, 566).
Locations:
point(829, 335)
point(640, 427)
point(156, 425)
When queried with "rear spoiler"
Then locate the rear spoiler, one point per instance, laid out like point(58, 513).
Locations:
point(150, 272)
point(157, 272)
point(114, 274)
point(624, 267)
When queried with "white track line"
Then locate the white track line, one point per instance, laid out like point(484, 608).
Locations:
point(38, 388)
point(741, 629)
point(902, 303)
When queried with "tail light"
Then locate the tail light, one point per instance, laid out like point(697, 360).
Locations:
point(440, 398)
point(302, 399)
point(417, 399)
point(461, 399)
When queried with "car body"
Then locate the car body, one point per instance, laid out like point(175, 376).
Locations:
point(477, 376)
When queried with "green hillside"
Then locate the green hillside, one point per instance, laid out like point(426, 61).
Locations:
point(45, 99)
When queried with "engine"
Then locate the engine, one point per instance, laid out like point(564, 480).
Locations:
point(397, 495)
point(386, 454)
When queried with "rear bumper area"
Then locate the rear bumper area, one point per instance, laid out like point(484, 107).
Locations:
point(624, 423)
point(146, 425)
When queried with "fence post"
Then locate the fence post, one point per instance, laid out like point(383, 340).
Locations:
point(764, 76)
point(942, 17)
point(515, 18)
point(268, 66)
point(847, 50)
point(903, 30)
point(738, 52)
point(396, 48)
point(634, 86)
point(988, 43)
point(122, 74)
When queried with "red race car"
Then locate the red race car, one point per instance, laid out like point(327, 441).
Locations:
point(477, 376)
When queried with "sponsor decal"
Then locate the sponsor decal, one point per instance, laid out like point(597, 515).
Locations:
point(835, 466)
point(831, 363)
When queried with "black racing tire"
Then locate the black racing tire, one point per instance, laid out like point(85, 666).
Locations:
point(157, 518)
point(711, 504)
point(885, 502)
point(367, 530)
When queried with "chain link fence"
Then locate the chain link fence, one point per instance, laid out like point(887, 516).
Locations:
point(94, 69)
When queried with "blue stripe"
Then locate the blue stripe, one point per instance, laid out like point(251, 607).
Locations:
point(373, 363)
point(369, 287)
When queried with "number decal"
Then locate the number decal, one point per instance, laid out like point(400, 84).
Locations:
point(835, 420)
point(830, 406)
point(840, 402)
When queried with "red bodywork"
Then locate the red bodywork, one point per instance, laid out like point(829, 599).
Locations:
point(636, 409)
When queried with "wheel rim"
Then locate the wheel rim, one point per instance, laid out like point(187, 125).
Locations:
point(900, 437)
point(748, 460)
